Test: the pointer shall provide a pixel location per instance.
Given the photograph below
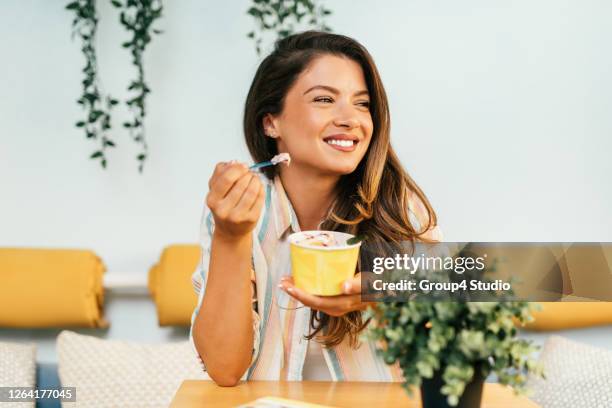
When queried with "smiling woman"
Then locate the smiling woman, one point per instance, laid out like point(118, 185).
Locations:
point(319, 98)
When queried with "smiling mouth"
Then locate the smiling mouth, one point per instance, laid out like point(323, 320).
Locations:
point(342, 143)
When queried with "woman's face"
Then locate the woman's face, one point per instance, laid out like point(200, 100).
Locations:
point(325, 124)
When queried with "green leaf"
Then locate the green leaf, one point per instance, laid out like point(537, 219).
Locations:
point(425, 369)
point(117, 3)
point(141, 156)
point(93, 116)
point(80, 123)
point(72, 6)
point(96, 154)
point(109, 143)
point(355, 239)
point(135, 85)
point(254, 12)
point(90, 97)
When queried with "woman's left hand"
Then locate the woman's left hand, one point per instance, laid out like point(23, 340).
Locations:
point(339, 305)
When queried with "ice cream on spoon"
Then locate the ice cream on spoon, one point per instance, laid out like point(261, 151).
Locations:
point(279, 158)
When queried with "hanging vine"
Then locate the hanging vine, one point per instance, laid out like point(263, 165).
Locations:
point(285, 17)
point(97, 120)
point(138, 16)
point(272, 17)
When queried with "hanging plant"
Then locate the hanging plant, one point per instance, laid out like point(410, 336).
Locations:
point(285, 17)
point(97, 120)
point(138, 16)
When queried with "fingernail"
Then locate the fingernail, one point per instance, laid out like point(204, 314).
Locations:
point(346, 287)
point(289, 289)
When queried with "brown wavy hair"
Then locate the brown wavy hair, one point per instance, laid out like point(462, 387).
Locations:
point(373, 200)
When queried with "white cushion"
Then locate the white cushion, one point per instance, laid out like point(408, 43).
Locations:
point(17, 369)
point(577, 375)
point(113, 373)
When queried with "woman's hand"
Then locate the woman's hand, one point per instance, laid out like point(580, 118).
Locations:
point(338, 305)
point(235, 199)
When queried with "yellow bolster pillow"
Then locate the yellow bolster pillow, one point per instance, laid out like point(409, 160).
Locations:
point(170, 284)
point(50, 288)
point(569, 315)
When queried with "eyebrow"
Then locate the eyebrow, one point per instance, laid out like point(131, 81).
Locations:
point(334, 90)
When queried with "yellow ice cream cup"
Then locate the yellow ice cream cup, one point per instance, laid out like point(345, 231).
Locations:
point(321, 270)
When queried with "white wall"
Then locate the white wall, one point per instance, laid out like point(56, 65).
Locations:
point(500, 110)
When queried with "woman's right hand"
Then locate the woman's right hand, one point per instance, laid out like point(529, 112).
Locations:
point(235, 199)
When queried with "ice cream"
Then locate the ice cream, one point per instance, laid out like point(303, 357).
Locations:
point(318, 238)
point(280, 158)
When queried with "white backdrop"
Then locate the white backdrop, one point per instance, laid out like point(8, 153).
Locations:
point(500, 110)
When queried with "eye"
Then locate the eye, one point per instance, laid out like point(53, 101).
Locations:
point(324, 99)
point(365, 104)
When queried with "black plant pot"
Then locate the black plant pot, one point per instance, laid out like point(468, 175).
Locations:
point(433, 398)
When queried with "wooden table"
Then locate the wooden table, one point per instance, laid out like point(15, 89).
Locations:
point(202, 393)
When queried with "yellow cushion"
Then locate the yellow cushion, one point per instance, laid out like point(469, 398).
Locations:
point(568, 315)
point(50, 288)
point(170, 284)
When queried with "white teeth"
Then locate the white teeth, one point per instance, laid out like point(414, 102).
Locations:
point(343, 143)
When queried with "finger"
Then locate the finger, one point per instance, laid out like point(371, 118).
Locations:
point(288, 279)
point(249, 196)
point(312, 301)
point(332, 305)
point(217, 170)
point(352, 286)
point(225, 180)
point(238, 189)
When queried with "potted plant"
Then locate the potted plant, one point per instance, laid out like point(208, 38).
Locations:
point(449, 348)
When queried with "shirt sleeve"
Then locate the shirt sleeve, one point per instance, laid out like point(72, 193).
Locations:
point(199, 279)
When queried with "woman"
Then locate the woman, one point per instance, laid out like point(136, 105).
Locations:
point(318, 97)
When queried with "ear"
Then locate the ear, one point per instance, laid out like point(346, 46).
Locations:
point(270, 126)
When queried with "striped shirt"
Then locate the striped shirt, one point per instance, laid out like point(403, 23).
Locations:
point(279, 347)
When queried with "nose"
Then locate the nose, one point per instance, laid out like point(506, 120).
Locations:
point(346, 117)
